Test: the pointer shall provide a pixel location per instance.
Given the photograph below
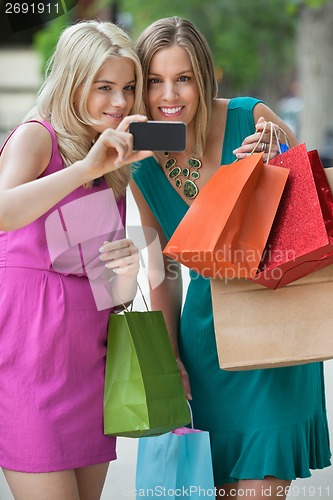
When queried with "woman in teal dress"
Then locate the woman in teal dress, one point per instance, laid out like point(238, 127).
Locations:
point(269, 426)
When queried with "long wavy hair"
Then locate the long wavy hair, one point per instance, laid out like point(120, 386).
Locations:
point(81, 51)
point(177, 31)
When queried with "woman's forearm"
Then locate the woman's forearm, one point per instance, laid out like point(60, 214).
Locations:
point(167, 297)
point(123, 289)
point(23, 204)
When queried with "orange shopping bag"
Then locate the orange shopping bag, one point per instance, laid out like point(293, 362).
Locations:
point(224, 232)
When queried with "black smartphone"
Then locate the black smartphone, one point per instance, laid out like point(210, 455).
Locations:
point(158, 136)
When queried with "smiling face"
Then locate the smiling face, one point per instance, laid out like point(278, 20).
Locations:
point(111, 96)
point(172, 89)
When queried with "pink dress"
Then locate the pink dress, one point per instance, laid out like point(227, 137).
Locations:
point(53, 332)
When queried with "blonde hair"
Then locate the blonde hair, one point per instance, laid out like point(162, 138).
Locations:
point(176, 31)
point(81, 51)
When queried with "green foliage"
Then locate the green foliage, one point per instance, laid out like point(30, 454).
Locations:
point(248, 38)
point(251, 41)
point(294, 5)
point(46, 39)
point(313, 4)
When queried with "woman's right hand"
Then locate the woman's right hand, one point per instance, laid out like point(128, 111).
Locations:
point(113, 149)
point(185, 379)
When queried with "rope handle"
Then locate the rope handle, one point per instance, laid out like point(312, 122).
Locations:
point(260, 138)
point(286, 138)
point(191, 413)
point(143, 297)
point(128, 308)
point(272, 125)
point(274, 129)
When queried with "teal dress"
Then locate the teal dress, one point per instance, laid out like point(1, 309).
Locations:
point(261, 422)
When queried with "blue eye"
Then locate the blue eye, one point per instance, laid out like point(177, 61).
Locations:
point(130, 88)
point(184, 78)
point(154, 80)
point(104, 87)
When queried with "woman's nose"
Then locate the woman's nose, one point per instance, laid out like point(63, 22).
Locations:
point(118, 99)
point(169, 91)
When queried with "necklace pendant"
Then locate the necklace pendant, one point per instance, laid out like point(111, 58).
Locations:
point(194, 163)
point(171, 162)
point(190, 189)
point(174, 172)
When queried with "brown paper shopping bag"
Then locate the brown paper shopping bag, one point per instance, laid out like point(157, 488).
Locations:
point(257, 327)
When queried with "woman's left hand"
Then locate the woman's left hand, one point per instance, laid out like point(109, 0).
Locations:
point(122, 256)
point(251, 143)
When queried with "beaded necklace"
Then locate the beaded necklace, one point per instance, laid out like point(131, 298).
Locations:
point(190, 174)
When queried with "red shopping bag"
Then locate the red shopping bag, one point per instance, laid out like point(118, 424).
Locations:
point(301, 239)
point(224, 232)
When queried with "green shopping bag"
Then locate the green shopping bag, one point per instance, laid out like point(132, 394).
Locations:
point(143, 393)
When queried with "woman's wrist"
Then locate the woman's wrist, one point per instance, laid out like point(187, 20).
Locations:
point(123, 288)
point(83, 171)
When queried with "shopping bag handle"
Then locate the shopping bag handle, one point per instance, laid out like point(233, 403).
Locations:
point(143, 297)
point(286, 144)
point(191, 413)
point(270, 140)
point(127, 307)
point(274, 129)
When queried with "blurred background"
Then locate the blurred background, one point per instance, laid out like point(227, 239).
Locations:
point(280, 51)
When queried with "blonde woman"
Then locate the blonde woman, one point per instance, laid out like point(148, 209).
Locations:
point(56, 171)
point(267, 427)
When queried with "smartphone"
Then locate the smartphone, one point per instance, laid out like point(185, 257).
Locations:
point(158, 136)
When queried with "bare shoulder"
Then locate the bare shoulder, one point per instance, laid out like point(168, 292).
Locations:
point(32, 135)
point(220, 105)
point(217, 124)
point(27, 152)
point(219, 111)
point(219, 114)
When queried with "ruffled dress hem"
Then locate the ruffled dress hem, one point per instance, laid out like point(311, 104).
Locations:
point(287, 453)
